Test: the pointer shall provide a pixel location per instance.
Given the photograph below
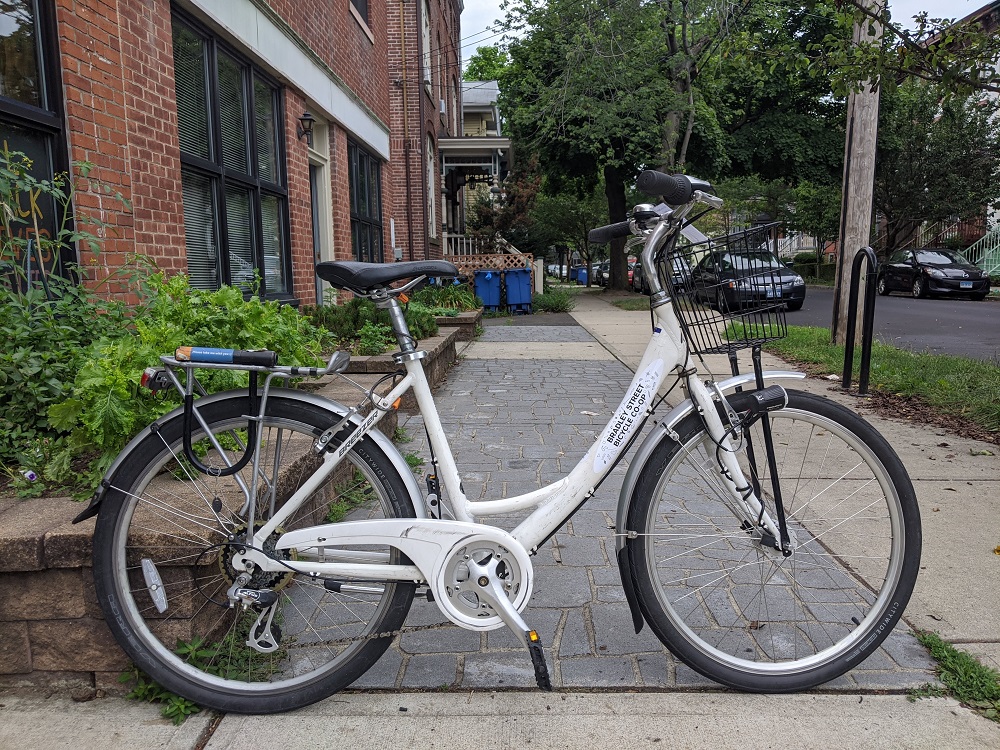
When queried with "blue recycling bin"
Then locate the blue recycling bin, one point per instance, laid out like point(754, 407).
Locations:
point(574, 272)
point(581, 277)
point(518, 282)
point(487, 286)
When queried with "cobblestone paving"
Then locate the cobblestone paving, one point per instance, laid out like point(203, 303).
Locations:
point(515, 426)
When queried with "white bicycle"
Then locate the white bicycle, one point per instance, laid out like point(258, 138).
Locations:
point(257, 551)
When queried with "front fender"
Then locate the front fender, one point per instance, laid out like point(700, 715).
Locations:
point(318, 402)
point(661, 431)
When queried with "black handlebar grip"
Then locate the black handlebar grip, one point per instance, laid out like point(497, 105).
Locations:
point(675, 189)
point(604, 235)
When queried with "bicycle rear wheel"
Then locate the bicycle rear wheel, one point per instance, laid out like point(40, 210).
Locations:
point(166, 536)
point(735, 609)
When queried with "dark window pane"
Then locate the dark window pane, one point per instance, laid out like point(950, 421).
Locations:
point(233, 115)
point(361, 6)
point(366, 205)
point(191, 71)
point(239, 231)
point(200, 222)
point(20, 67)
point(264, 122)
point(28, 212)
point(274, 244)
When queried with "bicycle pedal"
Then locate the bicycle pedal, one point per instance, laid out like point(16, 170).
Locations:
point(538, 660)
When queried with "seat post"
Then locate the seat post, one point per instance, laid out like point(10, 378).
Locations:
point(398, 322)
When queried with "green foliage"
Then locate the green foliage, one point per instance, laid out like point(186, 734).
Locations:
point(938, 156)
point(633, 305)
point(48, 322)
point(557, 300)
point(451, 296)
point(956, 386)
point(349, 495)
point(808, 257)
point(360, 318)
point(72, 376)
point(486, 64)
point(374, 338)
point(974, 684)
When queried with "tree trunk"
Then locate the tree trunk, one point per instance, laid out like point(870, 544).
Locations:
point(614, 190)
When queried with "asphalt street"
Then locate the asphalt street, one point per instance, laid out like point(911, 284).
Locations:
point(939, 326)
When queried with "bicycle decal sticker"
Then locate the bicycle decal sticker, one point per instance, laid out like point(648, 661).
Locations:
point(628, 416)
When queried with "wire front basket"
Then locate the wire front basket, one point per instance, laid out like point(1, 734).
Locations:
point(730, 293)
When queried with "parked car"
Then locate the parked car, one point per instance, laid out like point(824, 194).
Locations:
point(932, 270)
point(679, 278)
point(735, 279)
point(602, 272)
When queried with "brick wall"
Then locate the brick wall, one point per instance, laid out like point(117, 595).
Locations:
point(121, 113)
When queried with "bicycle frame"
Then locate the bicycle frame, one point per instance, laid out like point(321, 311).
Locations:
point(666, 353)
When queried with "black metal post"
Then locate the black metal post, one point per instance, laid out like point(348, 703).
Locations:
point(867, 325)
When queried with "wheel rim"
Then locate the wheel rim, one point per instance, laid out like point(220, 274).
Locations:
point(918, 287)
point(750, 609)
point(168, 520)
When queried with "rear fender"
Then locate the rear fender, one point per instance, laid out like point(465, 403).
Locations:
point(324, 404)
point(662, 431)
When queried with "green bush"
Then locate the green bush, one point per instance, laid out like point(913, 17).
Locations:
point(47, 340)
point(100, 404)
point(345, 323)
point(808, 257)
point(451, 296)
point(557, 300)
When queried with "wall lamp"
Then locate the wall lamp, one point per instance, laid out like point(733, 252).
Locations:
point(306, 123)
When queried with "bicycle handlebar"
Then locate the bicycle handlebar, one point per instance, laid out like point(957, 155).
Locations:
point(604, 235)
point(675, 189)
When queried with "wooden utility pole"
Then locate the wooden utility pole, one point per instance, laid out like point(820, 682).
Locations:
point(858, 185)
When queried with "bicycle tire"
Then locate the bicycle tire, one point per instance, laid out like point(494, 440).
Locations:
point(161, 510)
point(739, 612)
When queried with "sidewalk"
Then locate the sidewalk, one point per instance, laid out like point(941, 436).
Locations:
point(520, 408)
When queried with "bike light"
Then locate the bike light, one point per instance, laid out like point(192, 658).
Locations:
point(155, 379)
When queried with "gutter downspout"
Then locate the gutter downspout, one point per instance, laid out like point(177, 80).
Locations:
point(406, 130)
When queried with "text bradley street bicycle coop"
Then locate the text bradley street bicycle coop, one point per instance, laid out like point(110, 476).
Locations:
point(257, 551)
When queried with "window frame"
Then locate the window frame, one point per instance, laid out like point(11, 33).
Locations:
point(48, 119)
point(222, 176)
point(373, 220)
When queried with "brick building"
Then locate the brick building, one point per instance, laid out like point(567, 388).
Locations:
point(193, 111)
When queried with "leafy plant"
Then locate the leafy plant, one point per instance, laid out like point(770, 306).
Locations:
point(346, 322)
point(48, 320)
point(450, 296)
point(557, 300)
point(374, 338)
point(350, 495)
point(974, 684)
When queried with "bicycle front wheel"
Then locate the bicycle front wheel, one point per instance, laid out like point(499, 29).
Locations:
point(166, 537)
point(735, 609)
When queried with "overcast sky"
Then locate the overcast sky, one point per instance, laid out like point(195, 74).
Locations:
point(480, 14)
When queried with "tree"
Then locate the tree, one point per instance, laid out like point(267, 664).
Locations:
point(486, 64)
point(588, 90)
point(566, 219)
point(938, 156)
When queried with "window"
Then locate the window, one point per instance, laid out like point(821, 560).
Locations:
point(432, 191)
point(31, 108)
point(425, 40)
point(366, 204)
point(361, 6)
point(230, 123)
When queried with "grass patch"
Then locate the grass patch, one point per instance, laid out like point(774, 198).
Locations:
point(955, 386)
point(639, 304)
point(975, 685)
